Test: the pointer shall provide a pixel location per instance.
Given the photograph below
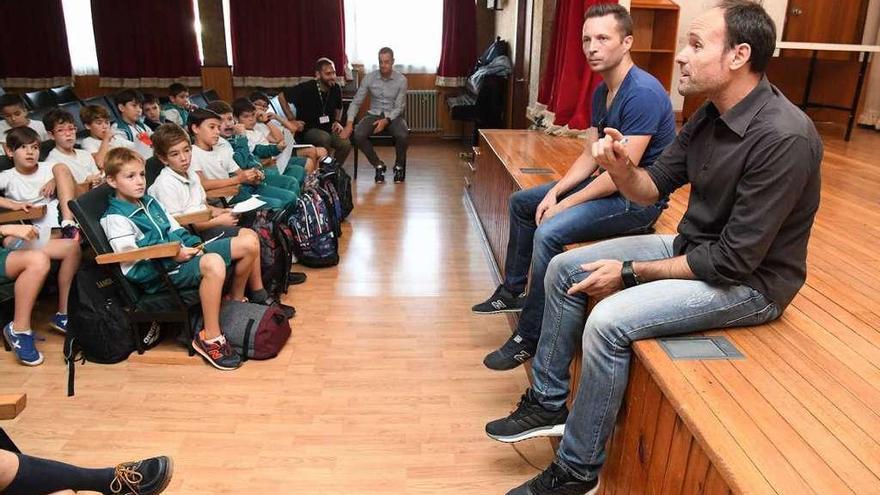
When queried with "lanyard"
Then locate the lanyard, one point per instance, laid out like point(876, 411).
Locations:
point(321, 96)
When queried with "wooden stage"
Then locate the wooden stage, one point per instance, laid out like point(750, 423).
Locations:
point(801, 412)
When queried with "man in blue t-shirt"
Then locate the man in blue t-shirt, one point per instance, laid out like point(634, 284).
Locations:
point(583, 205)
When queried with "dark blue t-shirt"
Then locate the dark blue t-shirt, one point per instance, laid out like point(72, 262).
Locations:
point(640, 108)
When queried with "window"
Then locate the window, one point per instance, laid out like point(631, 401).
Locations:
point(80, 36)
point(413, 29)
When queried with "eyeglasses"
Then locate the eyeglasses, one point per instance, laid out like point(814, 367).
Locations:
point(65, 130)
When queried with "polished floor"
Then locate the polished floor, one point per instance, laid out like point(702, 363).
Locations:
point(380, 390)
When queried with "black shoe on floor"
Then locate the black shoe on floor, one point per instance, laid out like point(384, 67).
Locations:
point(289, 311)
point(147, 477)
point(399, 174)
point(380, 174)
point(502, 301)
point(296, 278)
point(516, 351)
point(529, 420)
point(556, 481)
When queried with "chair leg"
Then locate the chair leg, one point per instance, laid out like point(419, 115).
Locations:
point(138, 340)
point(355, 149)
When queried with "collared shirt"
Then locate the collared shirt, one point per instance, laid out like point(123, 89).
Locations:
point(81, 164)
point(755, 181)
point(179, 194)
point(387, 96)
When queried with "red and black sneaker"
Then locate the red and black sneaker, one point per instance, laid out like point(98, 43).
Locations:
point(217, 352)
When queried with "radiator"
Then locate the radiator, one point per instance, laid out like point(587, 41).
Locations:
point(421, 110)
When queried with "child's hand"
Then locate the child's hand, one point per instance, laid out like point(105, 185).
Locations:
point(22, 231)
point(16, 206)
point(186, 254)
point(253, 176)
point(239, 129)
point(48, 189)
point(107, 136)
point(227, 219)
point(281, 145)
point(298, 125)
point(262, 117)
point(95, 180)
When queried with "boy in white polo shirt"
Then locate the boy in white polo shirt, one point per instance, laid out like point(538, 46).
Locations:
point(15, 114)
point(101, 138)
point(60, 125)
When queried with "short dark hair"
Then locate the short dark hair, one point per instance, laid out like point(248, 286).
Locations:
point(150, 98)
point(621, 15)
point(177, 88)
point(11, 100)
point(128, 95)
point(91, 113)
point(199, 115)
point(258, 95)
point(387, 50)
point(20, 136)
point(242, 105)
point(167, 135)
point(57, 116)
point(748, 22)
point(219, 107)
point(324, 62)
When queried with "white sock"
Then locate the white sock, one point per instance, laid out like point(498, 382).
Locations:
point(68, 223)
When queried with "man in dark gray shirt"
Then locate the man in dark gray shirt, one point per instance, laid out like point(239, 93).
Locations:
point(752, 159)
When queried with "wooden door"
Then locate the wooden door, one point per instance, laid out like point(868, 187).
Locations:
point(825, 21)
point(519, 94)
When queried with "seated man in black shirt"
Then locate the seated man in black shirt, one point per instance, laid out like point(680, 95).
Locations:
point(319, 106)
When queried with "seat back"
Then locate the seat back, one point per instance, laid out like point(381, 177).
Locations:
point(198, 100)
point(275, 103)
point(73, 107)
point(40, 99)
point(153, 168)
point(64, 94)
point(210, 95)
point(46, 147)
point(88, 210)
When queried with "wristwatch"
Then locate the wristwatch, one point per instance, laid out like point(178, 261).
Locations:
point(628, 275)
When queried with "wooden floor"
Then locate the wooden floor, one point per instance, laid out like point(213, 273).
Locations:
point(382, 389)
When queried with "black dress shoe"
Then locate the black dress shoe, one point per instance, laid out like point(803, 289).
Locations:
point(399, 174)
point(380, 174)
point(147, 477)
point(296, 278)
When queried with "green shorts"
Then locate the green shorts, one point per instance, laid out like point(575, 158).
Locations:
point(3, 254)
point(188, 274)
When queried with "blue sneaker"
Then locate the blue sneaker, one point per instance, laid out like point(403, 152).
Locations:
point(59, 322)
point(23, 346)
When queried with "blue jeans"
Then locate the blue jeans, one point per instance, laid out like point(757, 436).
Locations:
point(654, 309)
point(535, 245)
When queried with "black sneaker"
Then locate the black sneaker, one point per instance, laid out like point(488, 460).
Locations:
point(556, 481)
point(502, 301)
point(529, 420)
point(380, 174)
point(147, 477)
point(399, 174)
point(516, 351)
point(289, 311)
point(296, 278)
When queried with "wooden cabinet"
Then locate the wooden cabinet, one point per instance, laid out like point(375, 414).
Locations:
point(655, 27)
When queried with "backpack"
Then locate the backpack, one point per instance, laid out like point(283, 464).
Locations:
point(315, 243)
point(332, 172)
point(275, 252)
point(98, 328)
point(320, 186)
point(253, 330)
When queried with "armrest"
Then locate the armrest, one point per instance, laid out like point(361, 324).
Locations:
point(165, 250)
point(222, 192)
point(35, 212)
point(194, 217)
point(12, 405)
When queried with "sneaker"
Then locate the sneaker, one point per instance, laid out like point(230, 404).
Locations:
point(502, 301)
point(59, 322)
point(296, 278)
point(556, 481)
point(23, 346)
point(380, 174)
point(516, 351)
point(529, 420)
point(399, 174)
point(219, 353)
point(147, 477)
point(71, 232)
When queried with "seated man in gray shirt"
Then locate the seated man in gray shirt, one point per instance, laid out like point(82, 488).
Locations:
point(387, 89)
point(752, 159)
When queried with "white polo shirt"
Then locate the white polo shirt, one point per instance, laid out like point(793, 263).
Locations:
point(34, 124)
point(215, 164)
point(25, 188)
point(179, 194)
point(81, 164)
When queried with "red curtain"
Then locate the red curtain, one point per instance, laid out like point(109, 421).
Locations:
point(145, 38)
point(568, 82)
point(459, 46)
point(34, 40)
point(284, 38)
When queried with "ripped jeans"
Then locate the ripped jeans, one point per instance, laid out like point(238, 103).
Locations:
point(654, 309)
